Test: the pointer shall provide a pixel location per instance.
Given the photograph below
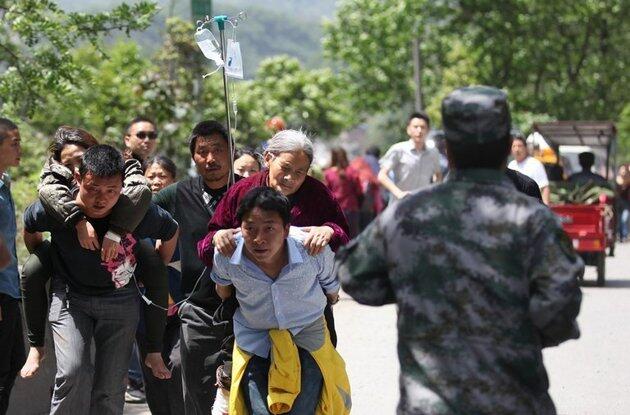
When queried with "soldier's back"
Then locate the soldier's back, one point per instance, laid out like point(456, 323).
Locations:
point(460, 254)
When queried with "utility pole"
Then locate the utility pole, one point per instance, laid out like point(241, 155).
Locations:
point(417, 67)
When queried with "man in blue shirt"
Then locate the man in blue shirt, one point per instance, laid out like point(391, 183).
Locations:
point(12, 353)
point(278, 286)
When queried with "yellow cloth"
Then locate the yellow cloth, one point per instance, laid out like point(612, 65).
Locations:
point(284, 377)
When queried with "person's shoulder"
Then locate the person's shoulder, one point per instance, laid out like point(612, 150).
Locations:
point(172, 188)
point(533, 161)
point(524, 184)
point(312, 184)
point(155, 213)
point(35, 208)
point(574, 177)
point(513, 165)
point(418, 200)
point(188, 185)
point(297, 234)
point(247, 183)
point(34, 214)
point(400, 146)
point(519, 179)
point(433, 152)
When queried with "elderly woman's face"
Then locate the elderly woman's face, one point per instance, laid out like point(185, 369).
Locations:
point(287, 171)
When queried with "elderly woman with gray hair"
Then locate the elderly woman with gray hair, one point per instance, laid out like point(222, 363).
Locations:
point(288, 157)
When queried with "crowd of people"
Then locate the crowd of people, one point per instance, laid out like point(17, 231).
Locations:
point(225, 294)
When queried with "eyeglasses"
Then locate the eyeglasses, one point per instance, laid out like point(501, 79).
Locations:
point(151, 135)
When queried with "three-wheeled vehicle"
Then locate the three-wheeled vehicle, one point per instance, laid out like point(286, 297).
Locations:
point(591, 226)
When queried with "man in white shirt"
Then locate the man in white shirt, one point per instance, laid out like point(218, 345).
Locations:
point(413, 164)
point(529, 166)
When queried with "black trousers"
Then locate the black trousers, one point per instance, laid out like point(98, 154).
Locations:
point(165, 396)
point(201, 353)
point(12, 353)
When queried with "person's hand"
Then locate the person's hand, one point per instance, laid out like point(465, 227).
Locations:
point(155, 362)
point(224, 291)
point(87, 235)
point(402, 194)
point(109, 249)
point(34, 359)
point(127, 154)
point(333, 298)
point(225, 242)
point(317, 239)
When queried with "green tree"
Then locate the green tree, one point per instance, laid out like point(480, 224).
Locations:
point(314, 100)
point(36, 43)
point(371, 40)
point(565, 59)
point(167, 87)
point(623, 134)
point(105, 98)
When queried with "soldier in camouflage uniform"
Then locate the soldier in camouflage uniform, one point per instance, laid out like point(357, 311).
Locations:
point(484, 277)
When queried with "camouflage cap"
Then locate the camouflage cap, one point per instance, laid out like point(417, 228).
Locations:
point(476, 114)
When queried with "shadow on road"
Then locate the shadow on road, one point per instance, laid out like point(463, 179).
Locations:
point(617, 283)
point(613, 283)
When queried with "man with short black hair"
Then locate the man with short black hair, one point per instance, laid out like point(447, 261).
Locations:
point(587, 160)
point(282, 292)
point(96, 300)
point(527, 165)
point(13, 354)
point(413, 164)
point(141, 138)
point(484, 275)
point(192, 202)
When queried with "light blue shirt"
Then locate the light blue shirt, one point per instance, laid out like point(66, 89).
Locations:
point(292, 301)
point(9, 278)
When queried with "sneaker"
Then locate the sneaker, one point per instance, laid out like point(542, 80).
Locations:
point(133, 395)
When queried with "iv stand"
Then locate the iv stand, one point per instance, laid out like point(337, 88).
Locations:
point(221, 19)
point(221, 23)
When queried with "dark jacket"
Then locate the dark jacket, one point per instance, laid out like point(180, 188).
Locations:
point(55, 193)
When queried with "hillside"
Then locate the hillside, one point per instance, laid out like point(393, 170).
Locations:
point(273, 27)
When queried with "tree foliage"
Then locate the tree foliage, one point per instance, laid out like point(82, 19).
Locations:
point(566, 59)
point(371, 39)
point(168, 87)
point(36, 43)
point(623, 134)
point(310, 99)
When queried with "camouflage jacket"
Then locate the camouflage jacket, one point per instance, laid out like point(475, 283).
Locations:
point(484, 277)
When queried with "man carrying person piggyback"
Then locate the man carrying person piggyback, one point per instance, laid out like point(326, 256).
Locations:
point(94, 299)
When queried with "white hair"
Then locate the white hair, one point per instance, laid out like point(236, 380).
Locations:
point(290, 141)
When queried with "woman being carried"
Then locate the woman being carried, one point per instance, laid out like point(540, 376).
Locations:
point(56, 194)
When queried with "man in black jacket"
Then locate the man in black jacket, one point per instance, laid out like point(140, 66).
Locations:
point(192, 202)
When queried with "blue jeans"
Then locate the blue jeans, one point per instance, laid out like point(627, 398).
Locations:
point(623, 223)
point(255, 386)
point(135, 369)
point(110, 320)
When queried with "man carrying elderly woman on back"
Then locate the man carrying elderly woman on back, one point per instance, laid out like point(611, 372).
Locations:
point(271, 347)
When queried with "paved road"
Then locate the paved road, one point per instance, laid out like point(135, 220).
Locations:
point(590, 376)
